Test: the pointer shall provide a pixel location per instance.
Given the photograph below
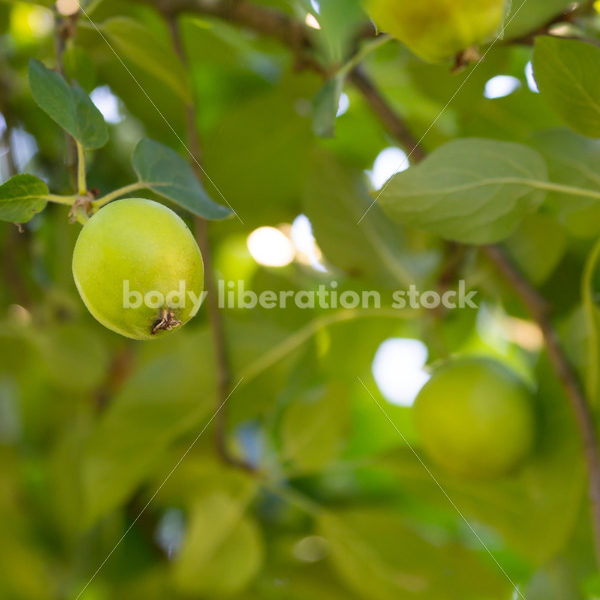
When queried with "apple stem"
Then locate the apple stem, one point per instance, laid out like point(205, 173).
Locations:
point(81, 171)
point(166, 321)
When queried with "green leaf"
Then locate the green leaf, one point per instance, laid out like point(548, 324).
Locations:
point(325, 107)
point(68, 105)
point(314, 427)
point(260, 148)
point(555, 580)
point(138, 44)
point(21, 197)
point(316, 581)
point(537, 246)
point(576, 335)
point(80, 67)
point(473, 191)
point(568, 75)
point(223, 548)
point(24, 574)
point(74, 356)
point(167, 173)
point(590, 310)
point(382, 557)
point(572, 160)
point(339, 21)
point(525, 17)
point(334, 200)
point(164, 398)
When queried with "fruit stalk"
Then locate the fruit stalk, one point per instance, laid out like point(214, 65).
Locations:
point(124, 191)
point(81, 175)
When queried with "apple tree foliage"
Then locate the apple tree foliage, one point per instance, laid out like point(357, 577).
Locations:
point(339, 501)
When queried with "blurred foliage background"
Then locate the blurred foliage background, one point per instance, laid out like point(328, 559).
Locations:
point(335, 505)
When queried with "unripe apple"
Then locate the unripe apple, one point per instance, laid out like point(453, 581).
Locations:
point(138, 268)
point(437, 30)
point(475, 418)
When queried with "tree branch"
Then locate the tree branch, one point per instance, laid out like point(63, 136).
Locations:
point(298, 38)
point(567, 16)
point(224, 378)
point(388, 116)
point(6, 144)
point(539, 310)
point(265, 21)
point(119, 371)
point(64, 29)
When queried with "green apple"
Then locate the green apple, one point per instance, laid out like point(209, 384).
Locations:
point(475, 418)
point(437, 30)
point(138, 269)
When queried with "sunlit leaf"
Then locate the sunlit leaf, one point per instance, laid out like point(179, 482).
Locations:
point(470, 190)
point(335, 200)
point(325, 107)
point(525, 16)
point(339, 21)
point(382, 557)
point(572, 160)
point(79, 67)
point(537, 246)
point(567, 73)
point(223, 549)
point(260, 149)
point(74, 357)
point(138, 44)
point(314, 426)
point(21, 198)
point(167, 173)
point(163, 399)
point(68, 105)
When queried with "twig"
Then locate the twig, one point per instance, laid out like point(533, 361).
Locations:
point(388, 116)
point(118, 373)
point(64, 29)
point(567, 16)
point(296, 36)
point(224, 378)
point(538, 308)
point(146, 523)
point(15, 240)
point(261, 19)
point(454, 258)
point(5, 139)
point(60, 43)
